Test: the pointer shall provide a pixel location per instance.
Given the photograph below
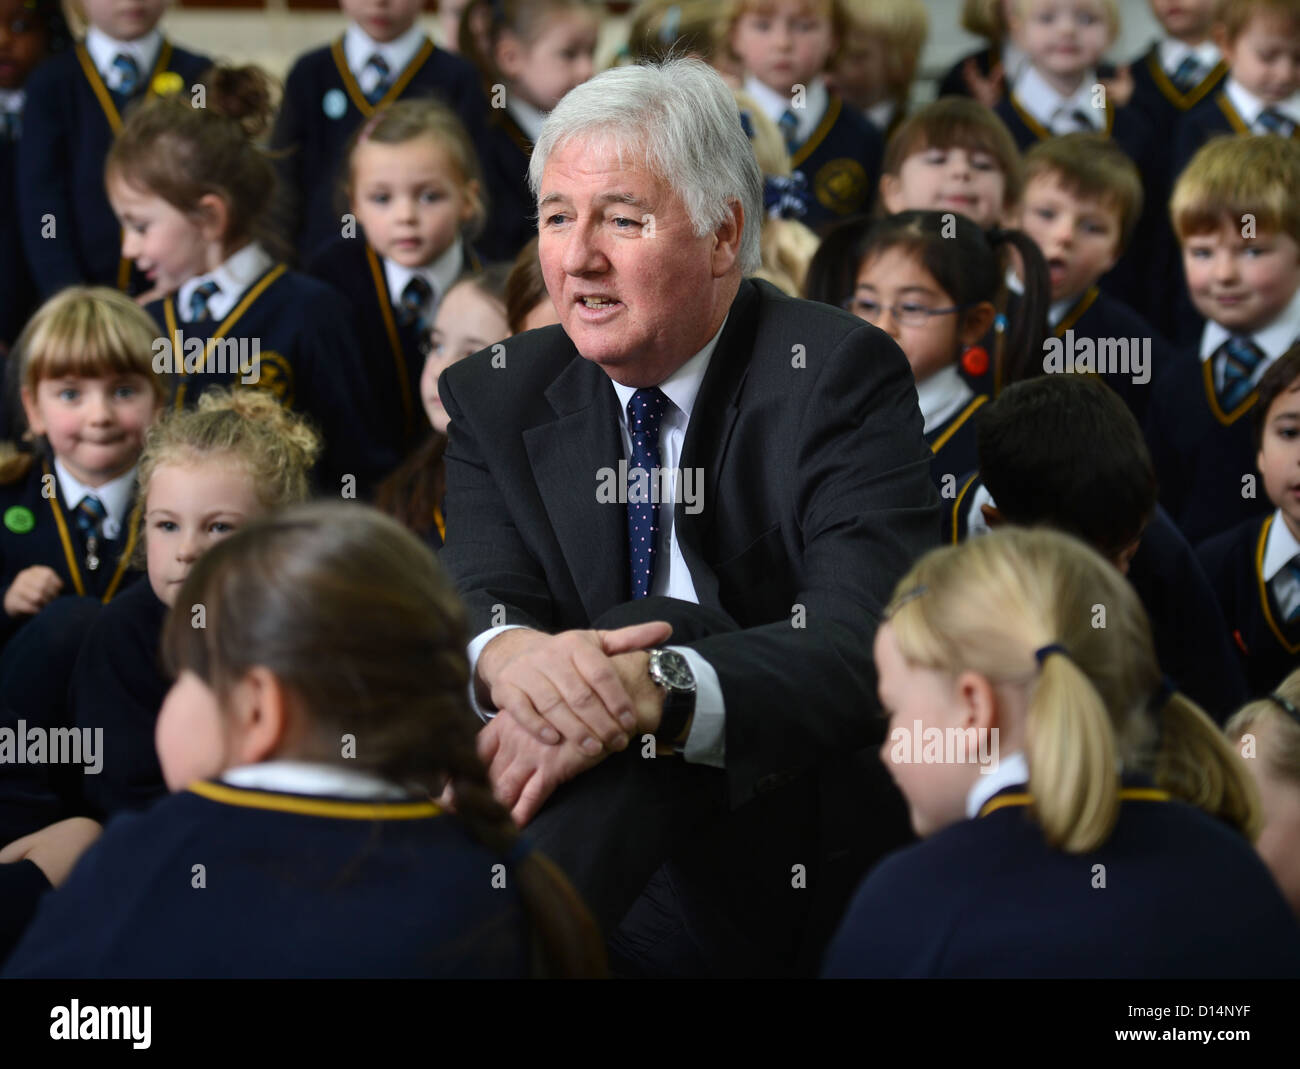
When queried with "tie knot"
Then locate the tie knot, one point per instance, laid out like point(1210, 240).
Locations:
point(203, 293)
point(414, 299)
point(128, 73)
point(378, 64)
point(1274, 122)
point(645, 410)
point(91, 510)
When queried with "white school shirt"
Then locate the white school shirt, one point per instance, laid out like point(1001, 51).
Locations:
point(440, 275)
point(359, 46)
point(1249, 106)
point(942, 396)
point(1053, 111)
point(816, 100)
point(1173, 51)
point(1010, 771)
point(527, 117)
point(233, 275)
point(706, 740)
point(305, 777)
point(1280, 548)
point(104, 49)
point(114, 495)
point(1275, 339)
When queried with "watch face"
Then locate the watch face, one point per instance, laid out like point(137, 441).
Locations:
point(673, 670)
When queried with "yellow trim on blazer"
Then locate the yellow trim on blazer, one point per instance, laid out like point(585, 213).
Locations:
point(390, 328)
point(955, 426)
point(236, 313)
point(956, 507)
point(439, 522)
point(1126, 794)
point(818, 135)
point(1043, 133)
point(69, 555)
point(314, 807)
point(1263, 588)
point(1233, 116)
point(1076, 313)
point(1182, 101)
point(394, 91)
point(1227, 419)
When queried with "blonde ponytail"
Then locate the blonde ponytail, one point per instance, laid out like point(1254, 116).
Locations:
point(1195, 763)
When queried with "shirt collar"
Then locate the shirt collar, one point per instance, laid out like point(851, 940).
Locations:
point(233, 275)
point(440, 274)
point(11, 100)
point(1044, 103)
point(115, 495)
point(104, 49)
point(1174, 51)
point(303, 777)
point(1057, 309)
point(1280, 548)
point(941, 396)
point(1275, 339)
point(683, 385)
point(882, 114)
point(526, 116)
point(1249, 106)
point(774, 104)
point(359, 46)
point(1010, 771)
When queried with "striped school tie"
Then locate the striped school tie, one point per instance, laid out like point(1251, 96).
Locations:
point(1274, 122)
point(128, 74)
point(645, 413)
point(1187, 74)
point(1293, 568)
point(789, 124)
point(90, 514)
point(379, 65)
point(1239, 358)
point(415, 298)
point(204, 292)
point(11, 126)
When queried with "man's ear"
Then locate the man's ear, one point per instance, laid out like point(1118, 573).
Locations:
point(727, 238)
point(992, 515)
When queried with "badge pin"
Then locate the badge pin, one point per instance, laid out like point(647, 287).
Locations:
point(335, 104)
point(19, 519)
point(167, 84)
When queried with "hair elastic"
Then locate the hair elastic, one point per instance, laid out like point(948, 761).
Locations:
point(903, 599)
point(1043, 652)
point(1286, 705)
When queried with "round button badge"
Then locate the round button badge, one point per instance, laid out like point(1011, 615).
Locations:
point(335, 103)
point(19, 519)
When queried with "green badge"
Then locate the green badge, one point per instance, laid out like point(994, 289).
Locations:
point(19, 519)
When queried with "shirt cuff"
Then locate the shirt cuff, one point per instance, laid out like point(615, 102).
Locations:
point(474, 651)
point(706, 742)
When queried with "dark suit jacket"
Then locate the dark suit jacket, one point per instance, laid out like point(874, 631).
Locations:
point(817, 494)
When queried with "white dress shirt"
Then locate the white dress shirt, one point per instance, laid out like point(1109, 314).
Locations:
point(115, 495)
point(359, 46)
point(1056, 112)
point(815, 102)
point(1249, 106)
point(1173, 51)
point(706, 740)
point(1280, 548)
point(1275, 339)
point(104, 49)
point(233, 276)
point(440, 275)
point(942, 396)
point(304, 777)
point(1011, 771)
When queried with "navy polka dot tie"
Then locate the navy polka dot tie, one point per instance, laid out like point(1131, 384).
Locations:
point(645, 412)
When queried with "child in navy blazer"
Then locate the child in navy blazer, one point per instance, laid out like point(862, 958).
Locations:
point(1066, 797)
point(313, 720)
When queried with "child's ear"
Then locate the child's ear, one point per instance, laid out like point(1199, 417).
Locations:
point(259, 717)
point(508, 54)
point(976, 700)
point(976, 322)
point(472, 201)
point(891, 193)
point(33, 412)
point(992, 516)
point(213, 216)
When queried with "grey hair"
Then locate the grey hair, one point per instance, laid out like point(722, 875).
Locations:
point(681, 117)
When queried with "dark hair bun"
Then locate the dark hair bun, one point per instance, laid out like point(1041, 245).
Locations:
point(245, 94)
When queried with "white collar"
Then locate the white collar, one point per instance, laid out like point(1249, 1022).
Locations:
point(234, 275)
point(11, 100)
point(1275, 339)
point(1280, 548)
point(816, 100)
point(683, 385)
point(104, 49)
point(1044, 103)
point(1014, 61)
point(1057, 309)
point(440, 274)
point(882, 114)
point(303, 777)
point(942, 396)
point(1173, 51)
point(1249, 106)
point(526, 116)
point(359, 46)
point(1010, 771)
point(115, 495)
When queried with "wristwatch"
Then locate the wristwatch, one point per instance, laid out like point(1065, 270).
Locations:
point(670, 670)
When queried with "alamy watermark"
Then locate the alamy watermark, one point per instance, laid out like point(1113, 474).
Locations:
point(217, 356)
point(1101, 356)
point(944, 746)
point(640, 486)
point(53, 746)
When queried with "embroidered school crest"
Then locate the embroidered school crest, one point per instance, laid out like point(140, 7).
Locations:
point(275, 374)
point(842, 186)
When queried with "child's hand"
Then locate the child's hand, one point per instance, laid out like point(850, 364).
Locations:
point(1120, 87)
point(54, 850)
point(988, 91)
point(32, 589)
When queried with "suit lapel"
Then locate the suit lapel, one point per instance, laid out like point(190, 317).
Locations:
point(565, 456)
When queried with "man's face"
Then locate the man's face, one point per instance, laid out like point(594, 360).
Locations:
point(634, 287)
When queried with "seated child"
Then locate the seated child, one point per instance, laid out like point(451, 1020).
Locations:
point(929, 280)
point(1255, 566)
point(537, 50)
point(204, 473)
point(784, 47)
point(470, 318)
point(32, 29)
point(312, 720)
point(1082, 202)
point(75, 105)
point(875, 65)
point(1234, 210)
point(194, 191)
point(1267, 734)
point(1260, 44)
point(1069, 766)
point(85, 364)
point(383, 56)
point(1062, 450)
point(985, 73)
point(414, 186)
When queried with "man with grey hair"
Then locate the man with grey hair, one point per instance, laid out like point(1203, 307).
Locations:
point(688, 452)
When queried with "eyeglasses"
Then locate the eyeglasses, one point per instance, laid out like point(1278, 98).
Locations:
point(907, 313)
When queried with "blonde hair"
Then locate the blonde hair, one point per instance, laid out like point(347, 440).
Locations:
point(764, 135)
point(1235, 176)
point(990, 604)
point(245, 427)
point(984, 19)
point(904, 25)
point(788, 248)
point(1235, 15)
point(1109, 7)
point(1284, 756)
point(86, 332)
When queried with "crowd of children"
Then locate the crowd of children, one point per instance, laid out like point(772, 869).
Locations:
point(220, 300)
